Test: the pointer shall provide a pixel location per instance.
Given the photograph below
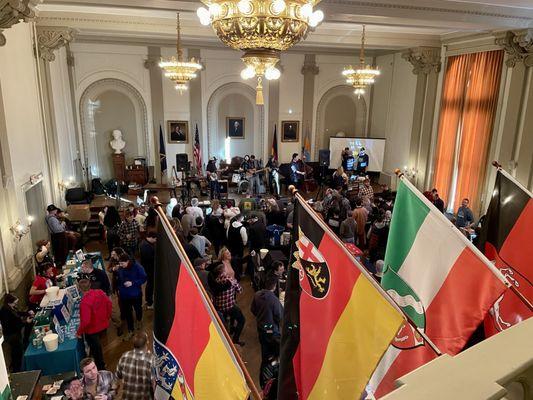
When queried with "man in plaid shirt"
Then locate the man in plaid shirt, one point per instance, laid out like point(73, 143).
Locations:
point(225, 291)
point(366, 191)
point(128, 233)
point(135, 371)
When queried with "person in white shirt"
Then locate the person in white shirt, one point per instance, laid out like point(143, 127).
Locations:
point(199, 241)
point(194, 210)
point(237, 241)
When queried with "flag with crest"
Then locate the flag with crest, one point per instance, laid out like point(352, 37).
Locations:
point(337, 321)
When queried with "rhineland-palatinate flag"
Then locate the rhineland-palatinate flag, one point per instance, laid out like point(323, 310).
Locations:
point(439, 279)
point(337, 321)
point(505, 234)
point(193, 359)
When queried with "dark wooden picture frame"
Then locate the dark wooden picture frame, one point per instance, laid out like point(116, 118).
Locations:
point(234, 131)
point(290, 131)
point(182, 136)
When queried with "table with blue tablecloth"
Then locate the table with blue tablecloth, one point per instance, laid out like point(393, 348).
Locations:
point(66, 358)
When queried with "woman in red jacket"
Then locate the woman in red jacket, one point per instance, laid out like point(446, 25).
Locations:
point(95, 313)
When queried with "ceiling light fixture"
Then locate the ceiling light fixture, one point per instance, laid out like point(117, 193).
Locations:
point(362, 76)
point(176, 69)
point(262, 29)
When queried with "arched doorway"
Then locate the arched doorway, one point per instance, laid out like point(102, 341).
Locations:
point(339, 110)
point(109, 104)
point(234, 100)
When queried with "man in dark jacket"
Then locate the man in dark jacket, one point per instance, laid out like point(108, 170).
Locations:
point(97, 277)
point(131, 277)
point(268, 312)
point(147, 250)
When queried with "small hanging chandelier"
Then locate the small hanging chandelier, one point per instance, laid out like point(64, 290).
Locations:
point(363, 75)
point(176, 69)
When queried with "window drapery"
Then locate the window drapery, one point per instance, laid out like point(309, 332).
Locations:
point(468, 107)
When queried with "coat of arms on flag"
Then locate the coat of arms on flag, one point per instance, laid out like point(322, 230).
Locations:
point(313, 269)
point(169, 375)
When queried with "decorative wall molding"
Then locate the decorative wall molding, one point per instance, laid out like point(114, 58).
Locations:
point(51, 38)
point(360, 114)
point(14, 11)
point(423, 59)
point(212, 115)
point(519, 47)
point(151, 62)
point(87, 120)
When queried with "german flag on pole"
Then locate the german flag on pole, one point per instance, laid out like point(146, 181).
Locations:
point(337, 322)
point(506, 230)
point(193, 359)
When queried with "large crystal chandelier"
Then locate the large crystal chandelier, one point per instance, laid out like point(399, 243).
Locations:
point(262, 29)
point(176, 69)
point(362, 76)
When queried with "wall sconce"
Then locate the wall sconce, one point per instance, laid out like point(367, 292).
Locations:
point(64, 185)
point(36, 178)
point(19, 230)
point(410, 172)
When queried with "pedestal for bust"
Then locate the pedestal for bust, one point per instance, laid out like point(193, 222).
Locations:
point(119, 166)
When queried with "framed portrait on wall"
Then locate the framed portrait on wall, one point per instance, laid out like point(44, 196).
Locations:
point(235, 127)
point(178, 131)
point(290, 131)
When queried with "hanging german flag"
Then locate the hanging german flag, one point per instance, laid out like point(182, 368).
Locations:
point(506, 230)
point(193, 359)
point(337, 323)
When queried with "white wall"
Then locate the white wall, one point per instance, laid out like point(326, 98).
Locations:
point(23, 143)
point(392, 110)
point(236, 105)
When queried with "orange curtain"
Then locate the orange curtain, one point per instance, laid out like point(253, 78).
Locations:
point(450, 117)
point(478, 119)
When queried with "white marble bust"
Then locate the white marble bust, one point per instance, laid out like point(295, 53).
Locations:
point(117, 143)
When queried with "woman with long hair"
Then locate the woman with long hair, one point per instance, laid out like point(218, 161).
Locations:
point(224, 257)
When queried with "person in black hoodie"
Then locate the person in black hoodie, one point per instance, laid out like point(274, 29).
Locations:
point(111, 222)
point(268, 312)
point(13, 323)
point(147, 250)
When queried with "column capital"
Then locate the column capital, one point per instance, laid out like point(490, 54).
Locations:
point(14, 11)
point(423, 59)
point(518, 46)
point(151, 62)
point(310, 66)
point(51, 38)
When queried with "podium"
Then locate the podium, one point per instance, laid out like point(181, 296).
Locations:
point(119, 166)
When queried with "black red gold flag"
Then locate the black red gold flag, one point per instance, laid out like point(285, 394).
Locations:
point(506, 231)
point(193, 358)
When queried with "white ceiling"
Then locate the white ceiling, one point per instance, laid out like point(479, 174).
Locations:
point(391, 24)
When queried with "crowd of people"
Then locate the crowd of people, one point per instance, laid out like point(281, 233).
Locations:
point(223, 241)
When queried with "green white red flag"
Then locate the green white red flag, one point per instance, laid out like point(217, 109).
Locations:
point(440, 280)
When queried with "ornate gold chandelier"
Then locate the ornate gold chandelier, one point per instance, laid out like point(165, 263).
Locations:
point(262, 29)
point(176, 69)
point(362, 76)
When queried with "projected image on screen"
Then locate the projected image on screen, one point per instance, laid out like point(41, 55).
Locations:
point(375, 148)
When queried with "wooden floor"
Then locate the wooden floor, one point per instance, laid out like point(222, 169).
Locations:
point(114, 346)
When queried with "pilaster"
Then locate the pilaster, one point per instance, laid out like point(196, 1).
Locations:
point(156, 95)
point(426, 62)
point(309, 70)
point(195, 105)
point(48, 40)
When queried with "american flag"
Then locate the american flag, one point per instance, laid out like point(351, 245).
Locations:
point(197, 152)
